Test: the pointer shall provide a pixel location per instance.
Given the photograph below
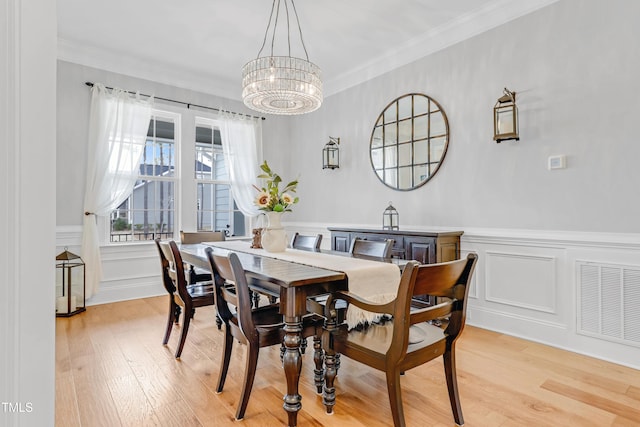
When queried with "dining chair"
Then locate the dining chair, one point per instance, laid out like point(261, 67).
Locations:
point(182, 296)
point(193, 237)
point(410, 338)
point(195, 274)
point(256, 328)
point(310, 243)
point(372, 248)
point(317, 304)
point(168, 275)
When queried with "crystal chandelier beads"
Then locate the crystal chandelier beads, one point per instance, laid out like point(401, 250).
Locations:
point(283, 85)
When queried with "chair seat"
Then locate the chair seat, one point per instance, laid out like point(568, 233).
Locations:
point(267, 316)
point(316, 305)
point(200, 275)
point(269, 322)
point(377, 337)
point(201, 289)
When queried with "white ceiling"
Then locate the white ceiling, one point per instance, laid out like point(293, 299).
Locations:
point(203, 44)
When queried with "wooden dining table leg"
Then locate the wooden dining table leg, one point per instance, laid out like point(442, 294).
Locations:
point(330, 368)
point(292, 363)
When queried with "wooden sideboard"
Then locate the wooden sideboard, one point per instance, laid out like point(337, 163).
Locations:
point(427, 247)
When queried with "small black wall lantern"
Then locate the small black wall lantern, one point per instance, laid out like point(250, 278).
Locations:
point(331, 154)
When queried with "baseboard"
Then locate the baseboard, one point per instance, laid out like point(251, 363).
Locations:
point(124, 290)
point(552, 334)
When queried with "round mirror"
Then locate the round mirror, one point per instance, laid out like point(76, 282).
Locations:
point(409, 141)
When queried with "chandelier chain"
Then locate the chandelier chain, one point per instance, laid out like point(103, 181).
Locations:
point(282, 84)
point(286, 9)
point(266, 32)
point(299, 30)
point(276, 7)
point(275, 27)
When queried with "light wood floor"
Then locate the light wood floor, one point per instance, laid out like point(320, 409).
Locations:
point(112, 370)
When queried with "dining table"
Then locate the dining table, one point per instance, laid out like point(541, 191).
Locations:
point(293, 280)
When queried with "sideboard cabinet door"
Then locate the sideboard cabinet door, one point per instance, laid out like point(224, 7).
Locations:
point(421, 249)
point(340, 241)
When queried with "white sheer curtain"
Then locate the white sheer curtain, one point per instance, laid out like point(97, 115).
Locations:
point(117, 134)
point(242, 146)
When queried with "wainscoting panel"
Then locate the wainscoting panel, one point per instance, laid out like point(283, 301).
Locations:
point(521, 280)
point(130, 271)
point(531, 284)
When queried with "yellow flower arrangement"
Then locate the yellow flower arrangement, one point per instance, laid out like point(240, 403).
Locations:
point(270, 198)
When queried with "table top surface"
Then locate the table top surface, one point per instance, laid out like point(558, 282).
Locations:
point(283, 273)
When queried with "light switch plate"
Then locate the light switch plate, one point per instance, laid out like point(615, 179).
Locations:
point(557, 162)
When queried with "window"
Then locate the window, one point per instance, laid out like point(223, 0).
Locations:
point(179, 186)
point(150, 210)
point(215, 207)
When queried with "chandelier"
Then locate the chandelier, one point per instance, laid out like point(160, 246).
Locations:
point(281, 84)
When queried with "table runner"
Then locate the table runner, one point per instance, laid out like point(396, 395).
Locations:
point(372, 280)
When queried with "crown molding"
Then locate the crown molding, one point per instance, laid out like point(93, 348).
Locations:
point(463, 27)
point(145, 68)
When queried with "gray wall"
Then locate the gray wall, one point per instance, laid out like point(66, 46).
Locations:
point(575, 67)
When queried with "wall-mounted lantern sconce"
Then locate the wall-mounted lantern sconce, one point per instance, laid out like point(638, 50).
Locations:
point(505, 118)
point(331, 154)
point(390, 218)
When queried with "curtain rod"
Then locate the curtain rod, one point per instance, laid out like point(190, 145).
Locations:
point(188, 104)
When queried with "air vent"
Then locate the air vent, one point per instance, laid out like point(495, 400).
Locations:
point(608, 301)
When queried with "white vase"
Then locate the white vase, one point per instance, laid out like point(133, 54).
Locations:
point(274, 239)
